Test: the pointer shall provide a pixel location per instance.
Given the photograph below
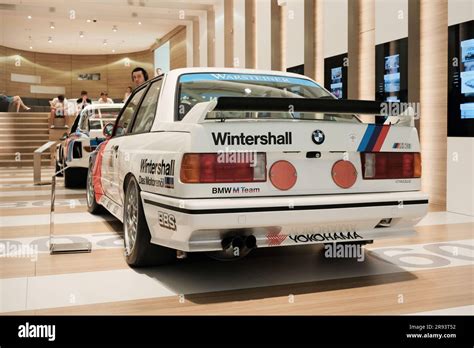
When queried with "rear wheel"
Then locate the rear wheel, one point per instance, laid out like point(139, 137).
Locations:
point(139, 251)
point(75, 177)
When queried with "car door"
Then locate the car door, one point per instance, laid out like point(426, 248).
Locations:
point(110, 154)
point(142, 123)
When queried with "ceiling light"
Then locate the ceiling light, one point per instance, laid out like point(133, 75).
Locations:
point(88, 20)
point(29, 17)
point(51, 25)
point(105, 42)
point(50, 39)
point(113, 51)
point(81, 34)
point(114, 28)
point(139, 23)
point(31, 47)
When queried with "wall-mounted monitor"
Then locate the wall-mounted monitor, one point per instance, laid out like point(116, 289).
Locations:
point(461, 80)
point(391, 71)
point(335, 75)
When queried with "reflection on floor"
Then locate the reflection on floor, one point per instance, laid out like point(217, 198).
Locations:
point(428, 273)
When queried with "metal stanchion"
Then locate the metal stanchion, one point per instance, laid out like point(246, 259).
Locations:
point(37, 162)
point(62, 248)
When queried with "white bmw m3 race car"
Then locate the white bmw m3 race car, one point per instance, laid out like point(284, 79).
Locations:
point(226, 160)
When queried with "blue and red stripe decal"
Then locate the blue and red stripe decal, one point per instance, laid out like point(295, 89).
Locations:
point(373, 138)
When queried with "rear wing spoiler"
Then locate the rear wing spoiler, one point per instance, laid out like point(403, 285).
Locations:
point(247, 104)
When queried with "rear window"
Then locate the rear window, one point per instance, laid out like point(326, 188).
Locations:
point(204, 87)
point(98, 118)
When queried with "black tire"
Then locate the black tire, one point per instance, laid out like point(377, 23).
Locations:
point(75, 177)
point(92, 206)
point(142, 253)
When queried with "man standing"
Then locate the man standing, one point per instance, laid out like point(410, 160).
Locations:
point(139, 76)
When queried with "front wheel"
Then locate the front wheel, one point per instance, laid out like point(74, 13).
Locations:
point(139, 251)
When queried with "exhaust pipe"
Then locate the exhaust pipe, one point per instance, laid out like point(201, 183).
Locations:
point(232, 242)
point(226, 243)
point(250, 242)
point(236, 246)
point(237, 242)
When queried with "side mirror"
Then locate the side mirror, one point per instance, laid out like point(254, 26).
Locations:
point(108, 129)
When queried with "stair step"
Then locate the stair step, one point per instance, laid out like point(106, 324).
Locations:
point(24, 119)
point(24, 131)
point(36, 125)
point(22, 149)
point(25, 163)
point(24, 114)
point(20, 136)
point(19, 121)
point(23, 156)
point(14, 143)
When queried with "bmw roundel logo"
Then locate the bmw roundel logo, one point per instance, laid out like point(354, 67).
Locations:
point(318, 137)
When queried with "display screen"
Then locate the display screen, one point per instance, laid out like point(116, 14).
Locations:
point(335, 75)
point(461, 80)
point(391, 71)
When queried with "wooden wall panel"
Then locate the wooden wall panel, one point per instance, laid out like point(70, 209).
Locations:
point(89, 64)
point(433, 97)
point(211, 37)
point(27, 67)
point(55, 70)
point(178, 50)
point(229, 33)
point(119, 75)
point(62, 71)
point(361, 49)
point(3, 73)
point(196, 45)
point(250, 34)
point(313, 38)
point(277, 30)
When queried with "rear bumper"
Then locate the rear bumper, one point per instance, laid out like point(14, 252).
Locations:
point(201, 224)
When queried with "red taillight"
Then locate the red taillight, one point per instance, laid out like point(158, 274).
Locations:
point(222, 168)
point(391, 165)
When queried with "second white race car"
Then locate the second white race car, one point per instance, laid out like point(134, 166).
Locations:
point(226, 160)
point(85, 135)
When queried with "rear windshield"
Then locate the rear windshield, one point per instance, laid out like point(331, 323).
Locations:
point(197, 88)
point(98, 118)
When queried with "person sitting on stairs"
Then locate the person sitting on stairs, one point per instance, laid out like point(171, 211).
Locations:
point(15, 100)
